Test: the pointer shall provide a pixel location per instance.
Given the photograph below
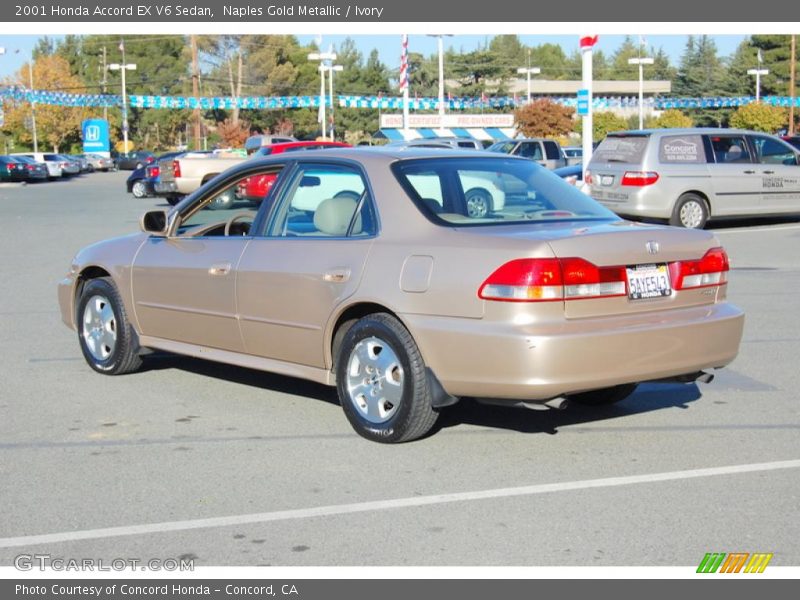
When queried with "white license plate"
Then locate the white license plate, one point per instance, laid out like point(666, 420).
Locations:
point(648, 281)
point(606, 179)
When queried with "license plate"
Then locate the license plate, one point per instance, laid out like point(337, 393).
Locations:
point(648, 281)
point(606, 179)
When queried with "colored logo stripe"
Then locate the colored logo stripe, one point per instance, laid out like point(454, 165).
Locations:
point(734, 562)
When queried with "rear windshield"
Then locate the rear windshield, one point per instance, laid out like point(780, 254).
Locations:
point(618, 148)
point(492, 191)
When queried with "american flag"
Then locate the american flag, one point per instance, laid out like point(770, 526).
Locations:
point(404, 64)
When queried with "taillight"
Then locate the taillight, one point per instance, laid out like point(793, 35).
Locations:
point(639, 178)
point(549, 279)
point(711, 270)
point(587, 177)
point(176, 168)
point(31, 167)
point(153, 171)
point(64, 165)
point(149, 160)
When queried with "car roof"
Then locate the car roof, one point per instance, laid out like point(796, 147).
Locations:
point(387, 154)
point(686, 131)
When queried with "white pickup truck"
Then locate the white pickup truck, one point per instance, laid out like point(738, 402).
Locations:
point(183, 175)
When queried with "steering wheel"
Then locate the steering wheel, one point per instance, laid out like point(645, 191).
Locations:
point(237, 217)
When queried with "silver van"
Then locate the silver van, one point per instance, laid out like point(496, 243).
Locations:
point(689, 176)
point(547, 153)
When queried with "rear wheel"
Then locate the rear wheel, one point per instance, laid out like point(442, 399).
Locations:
point(479, 203)
point(138, 189)
point(173, 200)
point(106, 337)
point(604, 396)
point(381, 380)
point(691, 212)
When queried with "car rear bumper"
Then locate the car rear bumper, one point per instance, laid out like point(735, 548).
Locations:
point(476, 357)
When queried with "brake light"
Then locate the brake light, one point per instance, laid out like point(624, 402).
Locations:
point(176, 168)
point(149, 159)
point(711, 270)
point(639, 178)
point(153, 171)
point(64, 165)
point(549, 279)
point(587, 177)
point(31, 167)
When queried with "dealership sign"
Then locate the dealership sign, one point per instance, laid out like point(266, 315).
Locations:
point(95, 136)
point(447, 121)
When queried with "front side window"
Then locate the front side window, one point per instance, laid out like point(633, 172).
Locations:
point(730, 149)
point(531, 150)
point(493, 191)
point(504, 147)
point(770, 151)
point(325, 201)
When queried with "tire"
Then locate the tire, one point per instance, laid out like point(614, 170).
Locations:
point(173, 200)
point(107, 340)
point(605, 396)
point(376, 351)
point(139, 189)
point(691, 212)
point(479, 203)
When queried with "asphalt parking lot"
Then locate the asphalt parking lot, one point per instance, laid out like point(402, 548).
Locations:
point(237, 467)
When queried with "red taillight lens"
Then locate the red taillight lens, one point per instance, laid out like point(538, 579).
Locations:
point(639, 178)
point(31, 167)
point(149, 159)
point(153, 171)
point(176, 168)
point(711, 270)
point(587, 177)
point(548, 279)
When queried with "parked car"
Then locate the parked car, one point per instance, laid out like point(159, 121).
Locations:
point(439, 142)
point(689, 176)
point(257, 188)
point(98, 162)
point(55, 164)
point(254, 142)
point(404, 306)
point(547, 153)
point(12, 170)
point(574, 154)
point(36, 171)
point(81, 160)
point(69, 166)
point(141, 181)
point(135, 160)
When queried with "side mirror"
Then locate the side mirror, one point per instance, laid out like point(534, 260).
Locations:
point(155, 222)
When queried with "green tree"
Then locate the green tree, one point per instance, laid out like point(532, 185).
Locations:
point(702, 73)
point(603, 123)
point(759, 117)
point(669, 119)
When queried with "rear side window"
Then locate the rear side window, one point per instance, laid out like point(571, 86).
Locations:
point(681, 149)
point(551, 149)
point(530, 150)
point(730, 149)
point(623, 149)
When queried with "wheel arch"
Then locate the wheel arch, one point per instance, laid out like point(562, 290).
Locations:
point(696, 192)
point(345, 319)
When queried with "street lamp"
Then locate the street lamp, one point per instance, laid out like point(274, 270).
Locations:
point(331, 69)
point(123, 67)
point(322, 57)
point(529, 71)
point(641, 61)
point(440, 43)
point(758, 73)
point(33, 104)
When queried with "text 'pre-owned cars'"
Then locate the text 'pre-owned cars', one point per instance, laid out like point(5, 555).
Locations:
point(408, 279)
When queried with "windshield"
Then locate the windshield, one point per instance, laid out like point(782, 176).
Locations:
point(491, 191)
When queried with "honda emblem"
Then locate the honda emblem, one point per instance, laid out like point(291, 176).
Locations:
point(652, 247)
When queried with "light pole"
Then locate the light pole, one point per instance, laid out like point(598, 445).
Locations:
point(331, 69)
point(123, 67)
point(641, 61)
point(529, 71)
point(440, 43)
point(758, 73)
point(33, 104)
point(322, 57)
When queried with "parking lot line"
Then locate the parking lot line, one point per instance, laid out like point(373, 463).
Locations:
point(396, 503)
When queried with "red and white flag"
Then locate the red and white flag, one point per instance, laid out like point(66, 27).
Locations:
point(587, 41)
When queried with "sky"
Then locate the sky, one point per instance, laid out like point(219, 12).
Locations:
point(18, 47)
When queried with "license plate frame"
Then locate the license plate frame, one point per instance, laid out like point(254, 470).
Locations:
point(606, 180)
point(648, 281)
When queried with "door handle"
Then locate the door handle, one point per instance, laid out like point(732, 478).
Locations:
point(769, 172)
point(220, 269)
point(337, 275)
point(749, 172)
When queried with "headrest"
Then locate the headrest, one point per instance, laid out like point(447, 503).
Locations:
point(333, 216)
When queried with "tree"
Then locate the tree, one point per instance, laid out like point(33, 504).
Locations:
point(56, 126)
point(603, 123)
point(233, 134)
point(702, 73)
point(759, 117)
point(669, 119)
point(544, 118)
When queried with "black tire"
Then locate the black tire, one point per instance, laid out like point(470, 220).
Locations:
point(691, 212)
point(479, 203)
point(412, 416)
point(605, 396)
point(123, 357)
point(139, 189)
point(173, 200)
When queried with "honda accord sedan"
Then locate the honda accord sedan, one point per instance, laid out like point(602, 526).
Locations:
point(370, 271)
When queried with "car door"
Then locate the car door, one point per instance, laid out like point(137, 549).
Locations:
point(184, 284)
point(779, 173)
point(734, 179)
point(532, 151)
point(308, 260)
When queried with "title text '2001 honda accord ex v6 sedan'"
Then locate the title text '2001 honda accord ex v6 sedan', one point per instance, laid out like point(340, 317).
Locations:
point(406, 279)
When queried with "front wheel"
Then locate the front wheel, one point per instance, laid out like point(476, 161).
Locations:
point(106, 337)
point(605, 396)
point(691, 212)
point(479, 203)
point(381, 380)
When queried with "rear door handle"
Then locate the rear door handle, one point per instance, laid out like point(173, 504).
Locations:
point(220, 269)
point(749, 172)
point(769, 172)
point(337, 275)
